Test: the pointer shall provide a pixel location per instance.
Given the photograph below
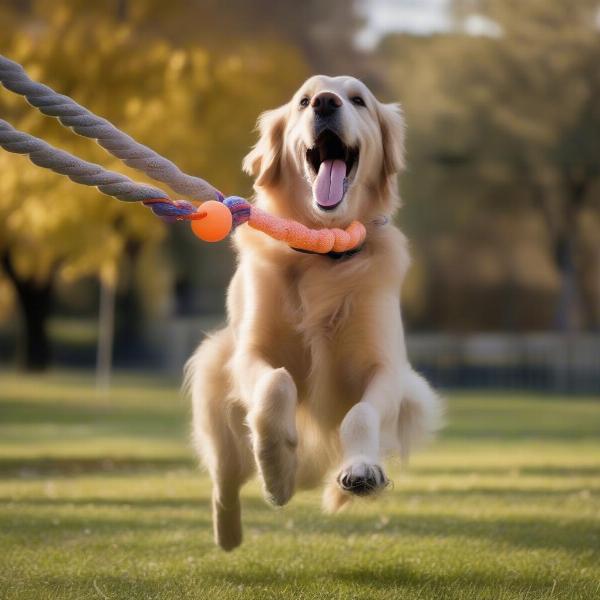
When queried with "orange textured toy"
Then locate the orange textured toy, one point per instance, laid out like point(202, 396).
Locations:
point(212, 222)
point(301, 237)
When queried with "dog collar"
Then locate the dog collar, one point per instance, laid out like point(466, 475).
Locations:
point(378, 221)
point(333, 255)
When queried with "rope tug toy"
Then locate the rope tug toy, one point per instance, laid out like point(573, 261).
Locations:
point(212, 221)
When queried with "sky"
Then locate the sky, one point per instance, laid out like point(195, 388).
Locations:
point(419, 17)
point(414, 16)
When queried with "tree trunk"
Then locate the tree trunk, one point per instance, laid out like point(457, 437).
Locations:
point(129, 331)
point(569, 310)
point(34, 304)
point(106, 330)
point(570, 313)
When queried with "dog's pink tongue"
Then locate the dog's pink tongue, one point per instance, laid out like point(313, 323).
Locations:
point(328, 188)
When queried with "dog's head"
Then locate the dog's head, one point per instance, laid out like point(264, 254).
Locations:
point(331, 154)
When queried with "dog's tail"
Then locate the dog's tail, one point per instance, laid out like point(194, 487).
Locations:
point(421, 414)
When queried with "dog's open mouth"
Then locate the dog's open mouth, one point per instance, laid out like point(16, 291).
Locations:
point(332, 164)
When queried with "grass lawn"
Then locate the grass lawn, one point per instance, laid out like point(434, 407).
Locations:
point(101, 499)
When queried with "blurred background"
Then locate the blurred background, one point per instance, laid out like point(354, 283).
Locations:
point(501, 196)
point(101, 303)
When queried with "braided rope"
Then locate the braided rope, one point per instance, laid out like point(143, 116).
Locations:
point(81, 171)
point(136, 155)
point(14, 78)
point(78, 170)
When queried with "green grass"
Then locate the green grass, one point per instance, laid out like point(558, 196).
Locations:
point(101, 499)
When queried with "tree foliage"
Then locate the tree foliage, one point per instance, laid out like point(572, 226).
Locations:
point(194, 103)
point(505, 147)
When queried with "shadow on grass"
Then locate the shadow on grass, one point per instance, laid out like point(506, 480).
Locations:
point(76, 466)
point(578, 535)
point(57, 525)
point(73, 466)
point(386, 576)
point(580, 433)
point(23, 412)
point(357, 581)
point(506, 494)
point(541, 471)
point(517, 495)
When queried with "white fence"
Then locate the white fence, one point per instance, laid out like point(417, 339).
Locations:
point(543, 361)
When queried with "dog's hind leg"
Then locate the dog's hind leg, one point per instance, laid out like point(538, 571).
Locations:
point(230, 469)
point(220, 436)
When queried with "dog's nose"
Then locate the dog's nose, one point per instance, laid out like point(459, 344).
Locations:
point(326, 103)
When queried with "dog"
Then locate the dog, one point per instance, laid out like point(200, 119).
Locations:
point(309, 381)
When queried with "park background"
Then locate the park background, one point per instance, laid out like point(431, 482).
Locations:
point(101, 303)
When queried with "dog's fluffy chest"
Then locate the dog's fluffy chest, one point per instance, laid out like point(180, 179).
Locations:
point(322, 311)
point(321, 298)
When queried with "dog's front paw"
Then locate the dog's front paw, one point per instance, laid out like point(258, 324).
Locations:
point(362, 479)
point(276, 457)
point(274, 438)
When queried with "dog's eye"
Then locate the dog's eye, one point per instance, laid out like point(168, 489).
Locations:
point(358, 101)
point(304, 102)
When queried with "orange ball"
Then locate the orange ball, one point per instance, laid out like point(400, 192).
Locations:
point(216, 225)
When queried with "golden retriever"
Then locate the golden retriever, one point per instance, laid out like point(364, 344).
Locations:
point(309, 382)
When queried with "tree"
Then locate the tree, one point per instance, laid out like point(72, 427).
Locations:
point(508, 123)
point(176, 97)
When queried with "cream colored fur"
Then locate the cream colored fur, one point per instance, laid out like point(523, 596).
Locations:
point(309, 382)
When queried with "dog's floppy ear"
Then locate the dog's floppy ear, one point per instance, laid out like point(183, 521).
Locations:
point(263, 162)
point(391, 121)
